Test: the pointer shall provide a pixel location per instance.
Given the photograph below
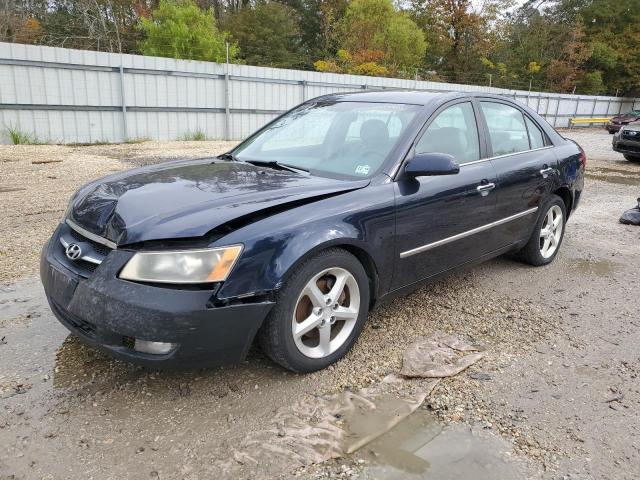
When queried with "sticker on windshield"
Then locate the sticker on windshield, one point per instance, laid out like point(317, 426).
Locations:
point(362, 169)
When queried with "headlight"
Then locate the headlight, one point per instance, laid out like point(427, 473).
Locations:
point(187, 266)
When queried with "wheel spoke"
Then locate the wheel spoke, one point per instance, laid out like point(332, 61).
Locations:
point(345, 313)
point(554, 240)
point(557, 221)
point(315, 295)
point(545, 246)
point(545, 232)
point(308, 324)
point(549, 221)
point(325, 339)
point(338, 287)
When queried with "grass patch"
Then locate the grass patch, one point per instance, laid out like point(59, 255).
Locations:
point(137, 140)
point(18, 137)
point(89, 144)
point(197, 136)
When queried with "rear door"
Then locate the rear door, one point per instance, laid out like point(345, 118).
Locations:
point(441, 220)
point(525, 164)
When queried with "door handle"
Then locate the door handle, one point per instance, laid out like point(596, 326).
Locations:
point(545, 172)
point(485, 188)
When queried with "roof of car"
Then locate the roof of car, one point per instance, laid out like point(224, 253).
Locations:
point(402, 96)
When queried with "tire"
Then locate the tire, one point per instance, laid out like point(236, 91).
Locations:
point(534, 252)
point(632, 158)
point(295, 309)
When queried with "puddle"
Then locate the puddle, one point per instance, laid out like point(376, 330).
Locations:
point(421, 448)
point(618, 179)
point(601, 268)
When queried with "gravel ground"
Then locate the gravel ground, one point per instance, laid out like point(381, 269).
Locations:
point(559, 383)
point(38, 180)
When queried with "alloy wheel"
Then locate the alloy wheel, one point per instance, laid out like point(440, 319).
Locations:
point(551, 231)
point(326, 312)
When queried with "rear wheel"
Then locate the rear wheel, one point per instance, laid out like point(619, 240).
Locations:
point(545, 241)
point(319, 312)
point(632, 158)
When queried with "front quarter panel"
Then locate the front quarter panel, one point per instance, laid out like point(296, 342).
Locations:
point(362, 219)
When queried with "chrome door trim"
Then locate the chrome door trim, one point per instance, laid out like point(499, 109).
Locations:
point(505, 155)
point(468, 233)
point(91, 236)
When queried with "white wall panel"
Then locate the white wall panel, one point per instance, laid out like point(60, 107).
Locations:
point(167, 98)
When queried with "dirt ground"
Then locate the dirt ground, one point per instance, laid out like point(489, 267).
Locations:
point(557, 395)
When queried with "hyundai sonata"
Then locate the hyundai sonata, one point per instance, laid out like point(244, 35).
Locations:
point(294, 235)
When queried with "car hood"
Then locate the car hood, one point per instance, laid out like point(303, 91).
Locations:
point(192, 198)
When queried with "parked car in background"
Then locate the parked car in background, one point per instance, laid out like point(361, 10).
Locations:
point(292, 236)
point(618, 121)
point(627, 141)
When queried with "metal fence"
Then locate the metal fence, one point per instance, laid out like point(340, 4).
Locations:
point(60, 95)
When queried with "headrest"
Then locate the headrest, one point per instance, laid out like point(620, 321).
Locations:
point(374, 132)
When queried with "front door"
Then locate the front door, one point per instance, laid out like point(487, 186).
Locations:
point(441, 220)
point(525, 164)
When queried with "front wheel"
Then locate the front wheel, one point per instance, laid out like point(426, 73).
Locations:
point(545, 241)
point(319, 312)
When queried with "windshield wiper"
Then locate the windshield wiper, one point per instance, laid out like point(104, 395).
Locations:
point(277, 165)
point(227, 156)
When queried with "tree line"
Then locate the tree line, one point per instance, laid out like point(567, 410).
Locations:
point(579, 46)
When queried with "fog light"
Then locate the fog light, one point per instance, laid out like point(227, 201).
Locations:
point(155, 348)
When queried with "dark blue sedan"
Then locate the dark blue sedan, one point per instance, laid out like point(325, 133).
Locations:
point(294, 235)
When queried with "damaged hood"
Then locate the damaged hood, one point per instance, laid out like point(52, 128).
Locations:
point(189, 199)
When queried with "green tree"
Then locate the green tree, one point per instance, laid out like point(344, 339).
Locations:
point(267, 34)
point(405, 45)
point(376, 39)
point(591, 83)
point(459, 35)
point(180, 29)
point(613, 30)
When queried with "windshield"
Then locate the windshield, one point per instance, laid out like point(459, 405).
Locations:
point(331, 138)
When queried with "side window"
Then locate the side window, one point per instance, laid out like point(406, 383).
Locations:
point(536, 137)
point(453, 131)
point(506, 126)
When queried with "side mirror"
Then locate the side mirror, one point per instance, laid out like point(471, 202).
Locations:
point(427, 164)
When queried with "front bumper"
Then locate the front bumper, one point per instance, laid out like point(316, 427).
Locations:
point(109, 313)
point(624, 145)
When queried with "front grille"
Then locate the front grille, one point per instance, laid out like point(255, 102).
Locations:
point(97, 247)
point(92, 252)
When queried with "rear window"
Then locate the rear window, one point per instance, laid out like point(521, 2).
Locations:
point(536, 137)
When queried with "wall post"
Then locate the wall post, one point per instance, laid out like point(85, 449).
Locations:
point(123, 102)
